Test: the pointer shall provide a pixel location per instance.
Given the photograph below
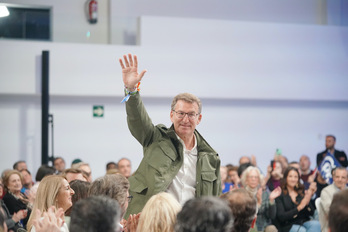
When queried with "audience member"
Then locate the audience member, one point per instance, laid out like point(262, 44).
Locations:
point(15, 201)
point(115, 186)
point(81, 189)
point(251, 179)
point(306, 172)
point(54, 191)
point(244, 160)
point(305, 166)
point(338, 212)
point(205, 214)
point(124, 167)
point(244, 209)
point(44, 170)
point(159, 213)
point(283, 161)
point(12, 222)
point(294, 207)
point(71, 174)
point(84, 167)
point(173, 157)
point(233, 176)
point(225, 185)
point(330, 142)
point(275, 174)
point(242, 168)
point(111, 165)
point(27, 181)
point(94, 214)
point(20, 165)
point(59, 164)
point(340, 176)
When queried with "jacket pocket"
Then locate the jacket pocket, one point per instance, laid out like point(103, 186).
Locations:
point(137, 186)
point(208, 180)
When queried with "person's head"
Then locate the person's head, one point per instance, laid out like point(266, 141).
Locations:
point(53, 190)
point(223, 173)
point(244, 209)
point(115, 186)
point(291, 180)
point(124, 167)
point(277, 170)
point(305, 163)
point(84, 167)
point(242, 168)
point(59, 164)
point(44, 170)
point(233, 174)
point(185, 114)
point(244, 160)
point(81, 192)
point(95, 213)
point(27, 179)
point(159, 213)
point(13, 181)
point(296, 165)
point(330, 142)
point(20, 165)
point(338, 212)
point(71, 174)
point(207, 213)
point(340, 176)
point(111, 165)
point(251, 177)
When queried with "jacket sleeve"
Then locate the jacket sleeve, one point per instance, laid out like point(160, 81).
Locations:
point(139, 122)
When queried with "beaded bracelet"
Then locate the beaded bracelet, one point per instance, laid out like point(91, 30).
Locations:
point(130, 93)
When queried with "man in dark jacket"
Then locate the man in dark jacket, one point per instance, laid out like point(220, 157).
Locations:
point(177, 160)
point(330, 148)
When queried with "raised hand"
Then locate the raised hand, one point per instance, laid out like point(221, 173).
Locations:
point(130, 74)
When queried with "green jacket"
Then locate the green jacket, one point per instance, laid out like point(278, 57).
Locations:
point(163, 157)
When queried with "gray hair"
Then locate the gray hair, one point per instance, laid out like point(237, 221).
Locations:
point(246, 173)
point(187, 97)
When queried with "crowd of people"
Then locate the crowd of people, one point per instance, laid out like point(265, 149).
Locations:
point(180, 184)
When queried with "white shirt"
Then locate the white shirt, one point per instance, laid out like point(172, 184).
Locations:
point(183, 186)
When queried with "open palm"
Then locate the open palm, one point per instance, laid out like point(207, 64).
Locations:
point(130, 73)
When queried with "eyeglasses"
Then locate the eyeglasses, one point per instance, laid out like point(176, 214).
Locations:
point(130, 198)
point(191, 115)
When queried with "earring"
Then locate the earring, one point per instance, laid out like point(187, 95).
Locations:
point(297, 185)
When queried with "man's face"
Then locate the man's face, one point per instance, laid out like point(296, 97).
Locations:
point(59, 165)
point(329, 142)
point(304, 163)
point(185, 127)
point(340, 178)
point(124, 167)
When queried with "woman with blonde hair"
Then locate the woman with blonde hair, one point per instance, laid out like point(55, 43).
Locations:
point(159, 214)
point(53, 191)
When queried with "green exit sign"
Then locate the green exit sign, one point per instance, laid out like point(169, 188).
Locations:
point(98, 111)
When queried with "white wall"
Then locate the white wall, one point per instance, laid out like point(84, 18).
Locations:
point(243, 113)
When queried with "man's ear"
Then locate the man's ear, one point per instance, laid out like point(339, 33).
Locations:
point(253, 222)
